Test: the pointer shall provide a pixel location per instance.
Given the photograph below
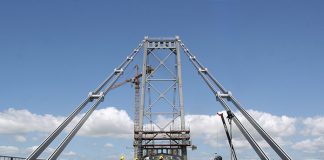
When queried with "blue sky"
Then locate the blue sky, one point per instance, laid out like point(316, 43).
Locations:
point(268, 53)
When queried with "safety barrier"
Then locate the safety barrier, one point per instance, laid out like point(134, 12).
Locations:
point(13, 158)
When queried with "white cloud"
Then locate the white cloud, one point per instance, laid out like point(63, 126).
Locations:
point(276, 126)
point(46, 153)
point(20, 138)
point(69, 153)
point(311, 145)
point(117, 123)
point(313, 131)
point(314, 126)
point(212, 131)
point(109, 145)
point(108, 122)
point(8, 150)
point(33, 148)
point(14, 121)
point(103, 122)
point(208, 128)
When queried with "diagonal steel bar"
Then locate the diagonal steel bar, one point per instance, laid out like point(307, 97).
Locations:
point(283, 155)
point(203, 71)
point(161, 94)
point(70, 136)
point(163, 61)
point(40, 149)
point(245, 133)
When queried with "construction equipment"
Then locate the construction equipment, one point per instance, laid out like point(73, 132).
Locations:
point(217, 157)
point(133, 80)
point(229, 137)
point(136, 82)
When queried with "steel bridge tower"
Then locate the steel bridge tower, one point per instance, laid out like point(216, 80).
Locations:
point(161, 128)
point(159, 124)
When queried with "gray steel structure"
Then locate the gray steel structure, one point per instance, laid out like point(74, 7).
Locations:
point(162, 55)
point(94, 98)
point(150, 137)
point(223, 96)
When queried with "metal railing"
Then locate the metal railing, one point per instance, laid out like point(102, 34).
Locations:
point(13, 158)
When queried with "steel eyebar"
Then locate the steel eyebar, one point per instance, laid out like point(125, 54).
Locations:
point(264, 134)
point(40, 149)
point(104, 83)
point(207, 81)
point(94, 95)
point(210, 85)
point(191, 60)
point(119, 73)
point(191, 55)
point(128, 58)
point(203, 76)
point(99, 98)
point(111, 84)
point(69, 137)
point(219, 96)
point(217, 83)
point(227, 94)
point(202, 68)
point(243, 130)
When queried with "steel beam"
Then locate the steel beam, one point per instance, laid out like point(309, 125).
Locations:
point(283, 155)
point(143, 85)
point(245, 133)
point(200, 67)
point(179, 79)
point(40, 149)
point(138, 143)
point(208, 79)
point(69, 137)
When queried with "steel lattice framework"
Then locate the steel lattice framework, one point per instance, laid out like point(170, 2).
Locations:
point(161, 75)
point(151, 137)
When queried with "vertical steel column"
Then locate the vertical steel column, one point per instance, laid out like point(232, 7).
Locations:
point(182, 114)
point(138, 147)
point(143, 85)
point(179, 79)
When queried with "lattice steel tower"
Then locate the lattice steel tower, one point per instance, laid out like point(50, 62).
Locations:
point(161, 128)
